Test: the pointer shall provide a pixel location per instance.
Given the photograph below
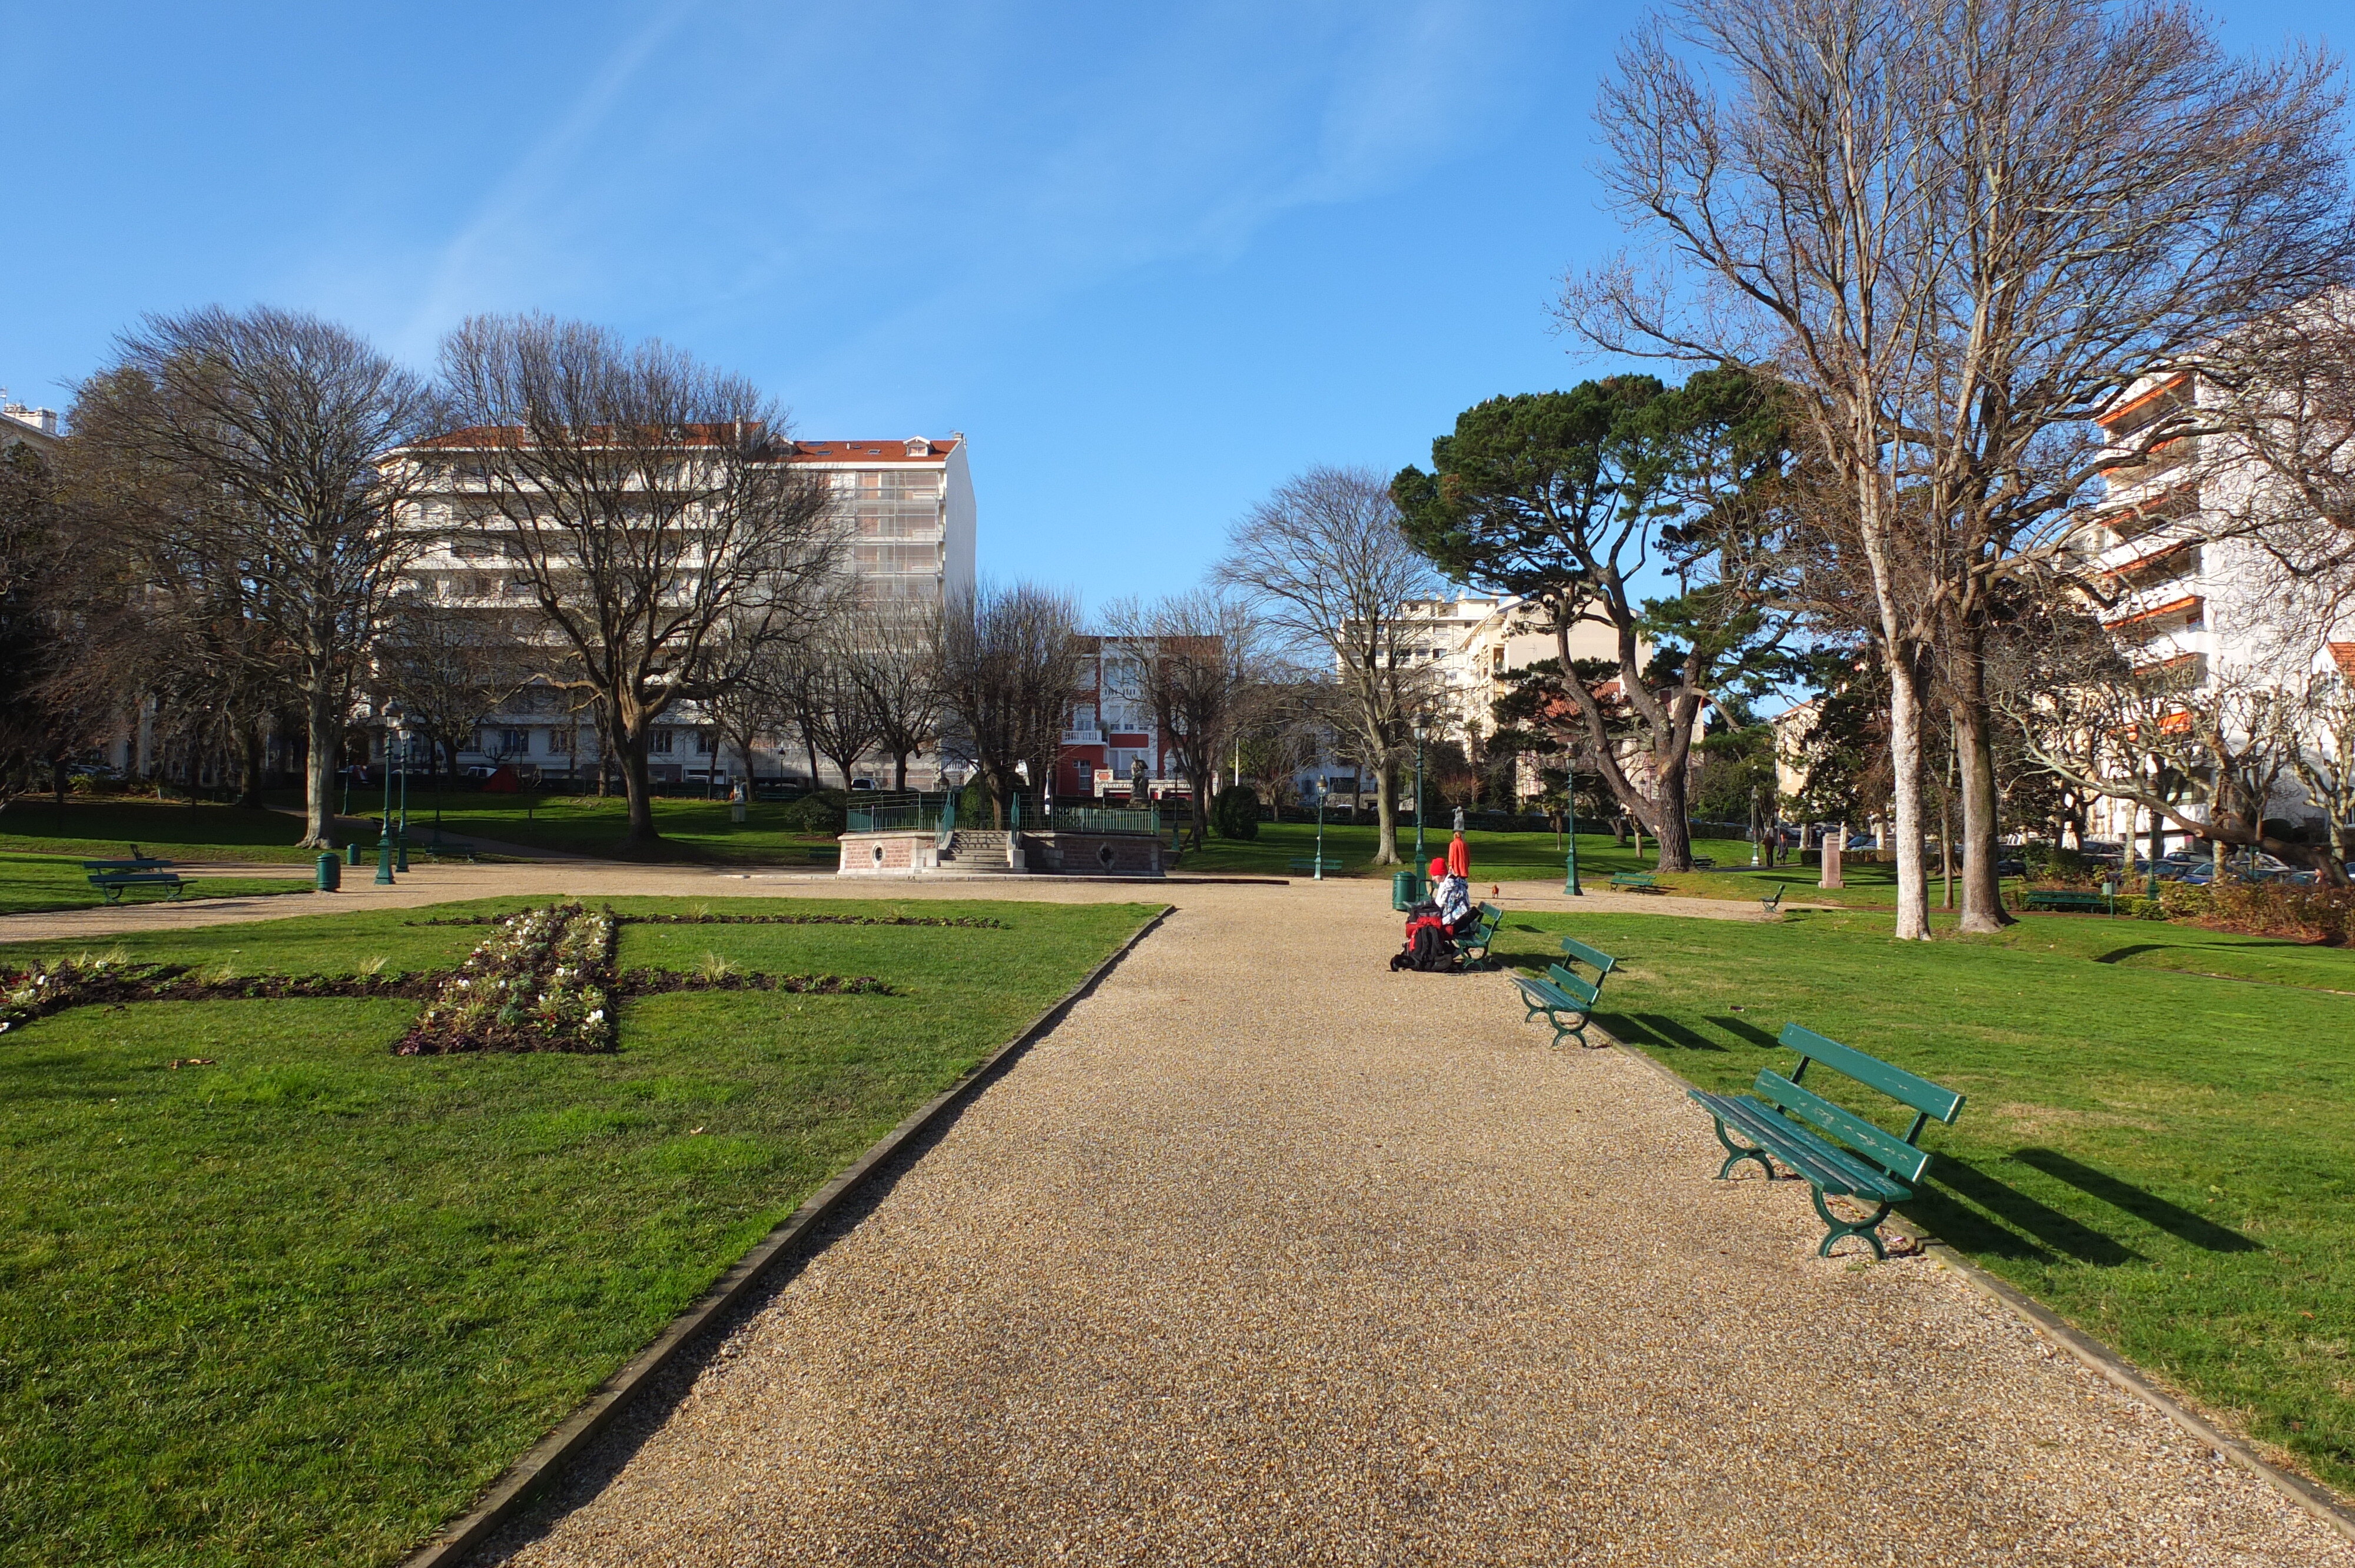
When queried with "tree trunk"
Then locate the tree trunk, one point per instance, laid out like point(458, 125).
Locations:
point(1906, 769)
point(1974, 745)
point(638, 786)
point(324, 729)
point(1672, 832)
point(899, 770)
point(1386, 814)
point(249, 789)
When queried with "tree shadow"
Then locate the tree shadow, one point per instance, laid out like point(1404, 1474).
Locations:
point(1653, 1029)
point(2046, 1229)
point(2119, 955)
point(2177, 1221)
point(1743, 1029)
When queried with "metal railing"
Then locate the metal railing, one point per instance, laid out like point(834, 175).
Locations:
point(900, 811)
point(1108, 820)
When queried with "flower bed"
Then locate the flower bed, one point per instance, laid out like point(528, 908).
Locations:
point(30, 993)
point(541, 981)
point(655, 982)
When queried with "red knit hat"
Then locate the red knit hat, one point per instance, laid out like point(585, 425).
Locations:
point(1438, 866)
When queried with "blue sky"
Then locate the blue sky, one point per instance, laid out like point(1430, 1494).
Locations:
point(1151, 261)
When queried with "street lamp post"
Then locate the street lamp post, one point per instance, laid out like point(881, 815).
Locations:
point(400, 839)
point(1569, 819)
point(384, 834)
point(1320, 828)
point(1419, 733)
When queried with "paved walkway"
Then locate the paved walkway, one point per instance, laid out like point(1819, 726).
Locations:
point(1268, 1255)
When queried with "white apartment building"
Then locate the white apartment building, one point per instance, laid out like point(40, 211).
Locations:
point(907, 506)
point(2192, 594)
point(34, 428)
point(1472, 645)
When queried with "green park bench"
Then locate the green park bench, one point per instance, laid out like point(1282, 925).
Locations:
point(1858, 1158)
point(1306, 865)
point(1635, 881)
point(1473, 948)
point(1565, 998)
point(2050, 898)
point(1774, 900)
point(110, 877)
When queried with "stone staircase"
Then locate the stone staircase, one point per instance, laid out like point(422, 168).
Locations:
point(979, 849)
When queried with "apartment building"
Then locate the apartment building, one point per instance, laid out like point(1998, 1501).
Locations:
point(34, 428)
point(1112, 726)
point(2186, 583)
point(1471, 645)
point(907, 507)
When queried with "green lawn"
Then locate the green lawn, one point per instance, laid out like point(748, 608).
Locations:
point(2157, 1142)
point(100, 828)
point(587, 824)
point(1495, 857)
point(37, 881)
point(300, 1305)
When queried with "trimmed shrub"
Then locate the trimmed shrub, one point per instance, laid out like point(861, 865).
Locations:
point(1234, 813)
point(820, 811)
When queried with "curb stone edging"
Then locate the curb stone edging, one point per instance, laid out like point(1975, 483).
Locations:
point(2311, 1496)
point(518, 1486)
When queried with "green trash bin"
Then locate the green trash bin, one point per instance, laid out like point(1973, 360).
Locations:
point(1406, 890)
point(331, 871)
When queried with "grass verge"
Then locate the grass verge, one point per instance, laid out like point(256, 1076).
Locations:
point(300, 1305)
point(31, 883)
point(2156, 1146)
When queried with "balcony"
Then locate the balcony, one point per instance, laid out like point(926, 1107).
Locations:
point(1083, 737)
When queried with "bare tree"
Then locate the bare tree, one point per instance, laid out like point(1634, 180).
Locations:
point(892, 650)
point(840, 720)
point(1010, 668)
point(649, 502)
point(1201, 664)
point(2214, 757)
point(1324, 561)
point(283, 418)
point(450, 666)
point(1958, 230)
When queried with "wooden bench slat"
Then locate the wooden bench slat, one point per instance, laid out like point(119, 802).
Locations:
point(1602, 962)
point(1823, 1164)
point(1891, 1153)
point(1931, 1099)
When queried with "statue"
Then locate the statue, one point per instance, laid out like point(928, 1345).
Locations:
point(1140, 793)
point(1459, 820)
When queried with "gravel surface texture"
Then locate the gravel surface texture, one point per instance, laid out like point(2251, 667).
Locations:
point(1269, 1255)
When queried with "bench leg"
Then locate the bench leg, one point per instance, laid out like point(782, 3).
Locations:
point(1735, 1153)
point(1869, 1228)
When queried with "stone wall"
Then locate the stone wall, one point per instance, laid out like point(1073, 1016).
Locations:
point(888, 854)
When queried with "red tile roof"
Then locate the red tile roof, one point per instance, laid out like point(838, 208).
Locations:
point(2345, 654)
point(857, 453)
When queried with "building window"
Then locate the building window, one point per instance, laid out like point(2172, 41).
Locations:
point(662, 742)
point(516, 742)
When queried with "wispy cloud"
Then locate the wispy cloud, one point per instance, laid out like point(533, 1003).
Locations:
point(500, 242)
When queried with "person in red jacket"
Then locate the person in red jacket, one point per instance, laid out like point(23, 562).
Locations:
point(1459, 856)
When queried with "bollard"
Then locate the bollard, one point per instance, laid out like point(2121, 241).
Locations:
point(331, 871)
point(355, 849)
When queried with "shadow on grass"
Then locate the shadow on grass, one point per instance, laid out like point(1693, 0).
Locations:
point(1742, 1029)
point(1653, 1029)
point(2177, 1221)
point(2119, 955)
point(2038, 1230)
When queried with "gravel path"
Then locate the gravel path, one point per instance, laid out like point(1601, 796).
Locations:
point(1267, 1255)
